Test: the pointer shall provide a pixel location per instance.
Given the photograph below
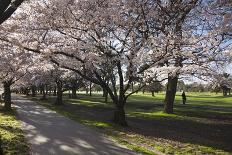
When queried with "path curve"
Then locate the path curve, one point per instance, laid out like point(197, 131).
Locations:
point(49, 133)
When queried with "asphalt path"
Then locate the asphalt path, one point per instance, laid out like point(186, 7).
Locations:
point(50, 133)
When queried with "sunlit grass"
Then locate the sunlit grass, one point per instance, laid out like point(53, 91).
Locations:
point(154, 114)
point(86, 102)
point(12, 137)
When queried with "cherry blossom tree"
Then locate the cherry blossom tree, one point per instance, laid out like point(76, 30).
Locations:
point(14, 63)
point(193, 32)
point(100, 41)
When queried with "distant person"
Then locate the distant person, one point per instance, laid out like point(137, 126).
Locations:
point(184, 97)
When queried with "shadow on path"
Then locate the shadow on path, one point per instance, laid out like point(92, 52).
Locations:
point(50, 133)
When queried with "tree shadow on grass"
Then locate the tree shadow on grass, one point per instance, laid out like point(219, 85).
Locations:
point(202, 125)
point(216, 135)
point(209, 96)
point(201, 131)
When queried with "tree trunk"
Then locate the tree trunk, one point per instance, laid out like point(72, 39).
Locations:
point(120, 116)
point(59, 98)
point(90, 89)
point(7, 9)
point(132, 87)
point(119, 113)
point(50, 91)
point(69, 94)
point(153, 93)
point(46, 87)
point(43, 92)
point(104, 92)
point(224, 92)
point(7, 95)
point(106, 97)
point(143, 91)
point(170, 94)
point(74, 92)
point(54, 91)
point(27, 91)
point(74, 87)
point(86, 90)
point(33, 91)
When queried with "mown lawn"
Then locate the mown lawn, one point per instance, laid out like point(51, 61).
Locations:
point(202, 126)
point(12, 140)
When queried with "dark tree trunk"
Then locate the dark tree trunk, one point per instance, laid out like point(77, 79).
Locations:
point(90, 89)
point(59, 98)
point(74, 92)
point(50, 91)
point(119, 115)
point(132, 87)
point(86, 90)
point(74, 87)
point(33, 91)
point(153, 93)
point(41, 89)
point(170, 94)
point(46, 87)
point(69, 94)
point(27, 91)
point(224, 92)
point(54, 91)
point(7, 8)
point(143, 91)
point(7, 95)
point(106, 97)
point(104, 92)
point(43, 92)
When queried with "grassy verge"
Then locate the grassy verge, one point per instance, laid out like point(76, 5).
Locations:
point(203, 126)
point(12, 137)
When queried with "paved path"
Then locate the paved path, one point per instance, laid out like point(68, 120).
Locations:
point(52, 134)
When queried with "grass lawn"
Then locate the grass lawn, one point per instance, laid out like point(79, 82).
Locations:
point(12, 140)
point(202, 126)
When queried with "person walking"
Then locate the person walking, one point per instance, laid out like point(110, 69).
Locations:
point(184, 97)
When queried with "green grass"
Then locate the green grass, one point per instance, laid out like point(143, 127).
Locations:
point(12, 137)
point(203, 126)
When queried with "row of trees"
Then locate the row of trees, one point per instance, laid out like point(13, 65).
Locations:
point(117, 44)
